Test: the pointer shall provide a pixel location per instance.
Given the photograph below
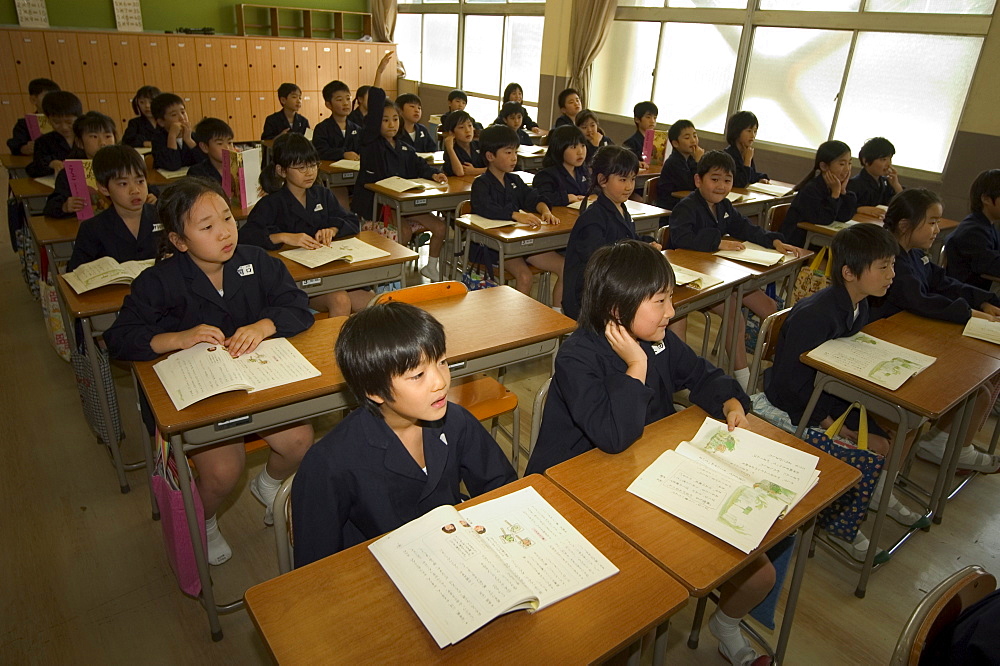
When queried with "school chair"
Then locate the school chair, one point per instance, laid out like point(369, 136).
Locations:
point(537, 407)
point(649, 194)
point(776, 216)
point(767, 342)
point(283, 540)
point(938, 609)
point(662, 236)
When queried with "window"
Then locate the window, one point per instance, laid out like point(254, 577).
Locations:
point(440, 49)
point(409, 31)
point(622, 73)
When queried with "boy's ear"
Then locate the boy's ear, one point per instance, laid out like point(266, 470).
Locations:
point(203, 146)
point(847, 274)
point(103, 189)
point(376, 399)
point(697, 181)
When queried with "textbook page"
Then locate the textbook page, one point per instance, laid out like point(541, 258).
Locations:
point(768, 188)
point(48, 181)
point(983, 329)
point(694, 279)
point(485, 223)
point(351, 250)
point(353, 165)
point(753, 254)
point(199, 372)
point(639, 210)
point(170, 175)
point(105, 271)
point(526, 176)
point(531, 151)
point(734, 196)
point(870, 358)
point(275, 362)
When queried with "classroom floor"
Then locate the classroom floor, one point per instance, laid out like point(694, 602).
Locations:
point(86, 579)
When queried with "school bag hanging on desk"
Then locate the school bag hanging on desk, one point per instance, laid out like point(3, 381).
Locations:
point(479, 272)
point(814, 277)
point(86, 386)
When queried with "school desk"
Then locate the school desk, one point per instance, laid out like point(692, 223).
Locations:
point(336, 176)
point(345, 609)
point(699, 561)
point(927, 396)
point(530, 330)
point(55, 237)
point(30, 193)
point(15, 164)
point(529, 158)
point(822, 235)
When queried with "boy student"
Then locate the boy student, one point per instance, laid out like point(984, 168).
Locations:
point(404, 451)
point(877, 182)
point(287, 119)
point(62, 108)
point(512, 115)
point(570, 105)
point(457, 101)
point(214, 137)
point(679, 168)
point(91, 132)
point(974, 247)
point(644, 115)
point(410, 129)
point(174, 145)
point(20, 142)
point(336, 138)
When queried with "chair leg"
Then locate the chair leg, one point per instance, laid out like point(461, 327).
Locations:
point(699, 617)
point(515, 439)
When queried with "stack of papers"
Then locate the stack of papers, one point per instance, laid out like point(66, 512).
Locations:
point(169, 175)
point(870, 358)
point(49, 181)
point(351, 250)
point(353, 165)
point(753, 254)
point(531, 151)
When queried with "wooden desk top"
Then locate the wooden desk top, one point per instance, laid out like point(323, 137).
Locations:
point(326, 166)
point(49, 230)
point(15, 161)
point(397, 255)
point(943, 333)
point(729, 272)
point(653, 170)
point(828, 230)
point(103, 300)
point(567, 219)
point(456, 185)
point(345, 609)
point(700, 561)
point(28, 188)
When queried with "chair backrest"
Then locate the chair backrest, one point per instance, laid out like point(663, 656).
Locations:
point(938, 608)
point(662, 236)
point(282, 507)
point(422, 292)
point(148, 161)
point(776, 216)
point(537, 407)
point(463, 208)
point(649, 194)
point(767, 341)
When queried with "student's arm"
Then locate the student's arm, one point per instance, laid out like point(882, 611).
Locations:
point(287, 305)
point(132, 137)
point(742, 228)
point(329, 145)
point(371, 131)
point(546, 183)
point(88, 246)
point(423, 168)
point(62, 203)
point(261, 224)
point(452, 164)
point(689, 227)
point(345, 222)
point(165, 157)
point(910, 293)
point(483, 203)
point(322, 500)
point(941, 283)
point(43, 157)
point(710, 387)
point(20, 140)
point(141, 321)
point(483, 465)
point(975, 248)
point(272, 127)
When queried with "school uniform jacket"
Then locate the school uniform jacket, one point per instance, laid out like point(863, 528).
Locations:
point(973, 250)
point(592, 149)
point(635, 143)
point(176, 295)
point(331, 142)
point(173, 159)
point(359, 482)
point(554, 184)
point(379, 159)
point(281, 212)
point(563, 120)
point(19, 136)
point(814, 204)
point(356, 117)
point(923, 288)
point(677, 175)
point(592, 403)
point(871, 191)
point(693, 226)
point(138, 131)
point(276, 123)
point(471, 156)
point(61, 191)
point(48, 148)
point(526, 122)
point(499, 201)
point(105, 235)
point(744, 175)
point(422, 141)
point(205, 169)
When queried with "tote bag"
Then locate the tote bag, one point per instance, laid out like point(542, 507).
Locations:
point(812, 278)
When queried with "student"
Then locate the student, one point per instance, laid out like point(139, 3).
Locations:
point(512, 115)
point(680, 166)
point(214, 137)
point(91, 132)
point(129, 230)
point(592, 132)
point(644, 115)
point(301, 212)
point(410, 129)
point(457, 101)
point(822, 196)
point(741, 133)
point(336, 138)
point(140, 130)
point(500, 194)
point(570, 105)
point(564, 178)
point(973, 249)
point(62, 108)
point(877, 182)
point(461, 150)
point(20, 142)
point(923, 288)
point(618, 372)
point(212, 290)
point(514, 93)
point(405, 451)
point(174, 146)
point(360, 106)
point(287, 119)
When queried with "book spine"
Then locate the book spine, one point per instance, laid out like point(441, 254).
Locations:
point(244, 194)
point(34, 129)
point(227, 179)
point(647, 146)
point(76, 175)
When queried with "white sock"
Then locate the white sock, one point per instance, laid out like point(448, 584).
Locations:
point(727, 630)
point(743, 377)
point(268, 486)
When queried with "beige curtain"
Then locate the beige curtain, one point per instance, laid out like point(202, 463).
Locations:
point(383, 20)
point(589, 30)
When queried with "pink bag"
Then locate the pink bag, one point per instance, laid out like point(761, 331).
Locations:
point(176, 536)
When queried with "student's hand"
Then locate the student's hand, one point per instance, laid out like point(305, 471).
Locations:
point(656, 246)
point(151, 198)
point(297, 240)
point(747, 154)
point(56, 165)
point(192, 336)
point(246, 338)
point(893, 177)
point(991, 310)
point(627, 348)
point(765, 181)
point(326, 236)
point(735, 416)
point(448, 141)
point(73, 204)
point(147, 144)
point(698, 153)
point(731, 245)
point(529, 219)
point(874, 211)
point(573, 198)
point(788, 249)
point(28, 148)
point(548, 217)
point(833, 183)
point(643, 166)
point(384, 62)
point(440, 178)
point(348, 155)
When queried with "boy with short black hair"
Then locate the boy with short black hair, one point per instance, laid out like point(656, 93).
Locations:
point(877, 182)
point(410, 129)
point(512, 115)
point(91, 132)
point(405, 443)
point(570, 105)
point(214, 137)
point(644, 116)
point(174, 145)
point(679, 168)
point(973, 249)
point(457, 101)
point(336, 138)
point(287, 118)
point(20, 142)
point(62, 108)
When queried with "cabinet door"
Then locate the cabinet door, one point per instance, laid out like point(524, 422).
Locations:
point(312, 102)
point(64, 61)
point(125, 110)
point(192, 104)
point(367, 64)
point(259, 65)
point(106, 103)
point(213, 105)
point(282, 63)
point(235, 74)
point(261, 106)
point(155, 63)
point(347, 65)
point(241, 117)
point(389, 79)
point(12, 107)
point(305, 65)
point(326, 65)
point(210, 70)
point(183, 63)
point(95, 61)
point(30, 59)
point(8, 83)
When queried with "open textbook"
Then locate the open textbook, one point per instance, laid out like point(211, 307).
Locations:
point(733, 485)
point(205, 370)
point(459, 569)
point(486, 223)
point(531, 151)
point(870, 358)
point(769, 188)
point(694, 279)
point(350, 250)
point(983, 329)
point(634, 208)
point(104, 271)
point(170, 175)
point(753, 254)
point(397, 184)
point(353, 165)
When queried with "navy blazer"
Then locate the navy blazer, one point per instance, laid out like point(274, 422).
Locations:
point(173, 159)
point(744, 175)
point(693, 226)
point(592, 403)
point(205, 169)
point(138, 131)
point(563, 120)
point(332, 142)
point(973, 251)
point(359, 482)
point(276, 123)
point(554, 184)
point(105, 235)
point(475, 158)
point(175, 295)
point(499, 201)
point(869, 190)
point(281, 212)
point(423, 142)
point(814, 204)
point(635, 143)
point(19, 136)
point(923, 288)
point(356, 117)
point(48, 148)
point(526, 122)
point(677, 175)
point(592, 149)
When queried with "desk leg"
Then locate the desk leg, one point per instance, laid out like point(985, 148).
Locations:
point(635, 653)
point(734, 325)
point(798, 573)
point(660, 644)
point(103, 401)
point(947, 471)
point(501, 275)
point(147, 448)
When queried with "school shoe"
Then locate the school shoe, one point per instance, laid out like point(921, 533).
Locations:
point(745, 656)
point(218, 548)
point(897, 510)
point(265, 497)
point(431, 271)
point(857, 549)
point(971, 458)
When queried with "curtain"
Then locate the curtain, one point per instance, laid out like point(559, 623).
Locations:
point(384, 20)
point(588, 32)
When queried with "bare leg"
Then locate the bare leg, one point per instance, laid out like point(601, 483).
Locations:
point(553, 263)
point(747, 588)
point(337, 303)
point(760, 304)
point(519, 269)
point(219, 469)
point(288, 445)
point(436, 226)
point(360, 298)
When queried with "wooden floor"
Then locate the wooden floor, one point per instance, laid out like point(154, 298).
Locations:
point(85, 579)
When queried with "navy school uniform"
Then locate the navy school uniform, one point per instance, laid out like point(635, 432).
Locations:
point(359, 482)
point(105, 235)
point(693, 226)
point(281, 212)
point(973, 251)
point(48, 148)
point(332, 142)
point(471, 156)
point(61, 191)
point(923, 288)
point(422, 140)
point(869, 190)
point(357, 117)
point(744, 175)
point(526, 122)
point(19, 136)
point(592, 149)
point(277, 122)
point(205, 169)
point(592, 403)
point(177, 158)
point(555, 184)
point(677, 175)
point(813, 203)
point(635, 143)
point(175, 295)
point(563, 120)
point(138, 131)
point(499, 201)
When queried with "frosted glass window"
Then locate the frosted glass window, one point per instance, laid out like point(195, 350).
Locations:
point(623, 71)
point(792, 83)
point(717, 4)
point(811, 5)
point(440, 49)
point(703, 99)
point(522, 53)
point(640, 3)
point(481, 60)
point(924, 111)
point(483, 110)
point(408, 38)
point(932, 6)
point(484, 1)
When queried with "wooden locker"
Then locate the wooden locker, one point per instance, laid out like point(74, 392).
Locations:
point(367, 64)
point(214, 105)
point(305, 65)
point(125, 111)
point(8, 83)
point(192, 104)
point(312, 101)
point(95, 61)
point(326, 64)
point(30, 59)
point(155, 54)
point(241, 117)
point(12, 107)
point(210, 70)
point(64, 61)
point(261, 106)
point(106, 103)
point(183, 63)
point(282, 63)
point(259, 65)
point(235, 75)
point(389, 80)
point(347, 66)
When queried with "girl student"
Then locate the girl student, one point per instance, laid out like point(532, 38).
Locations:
point(140, 130)
point(461, 150)
point(618, 372)
point(515, 93)
point(592, 132)
point(741, 133)
point(301, 212)
point(212, 290)
point(359, 108)
point(564, 178)
point(923, 288)
point(822, 196)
